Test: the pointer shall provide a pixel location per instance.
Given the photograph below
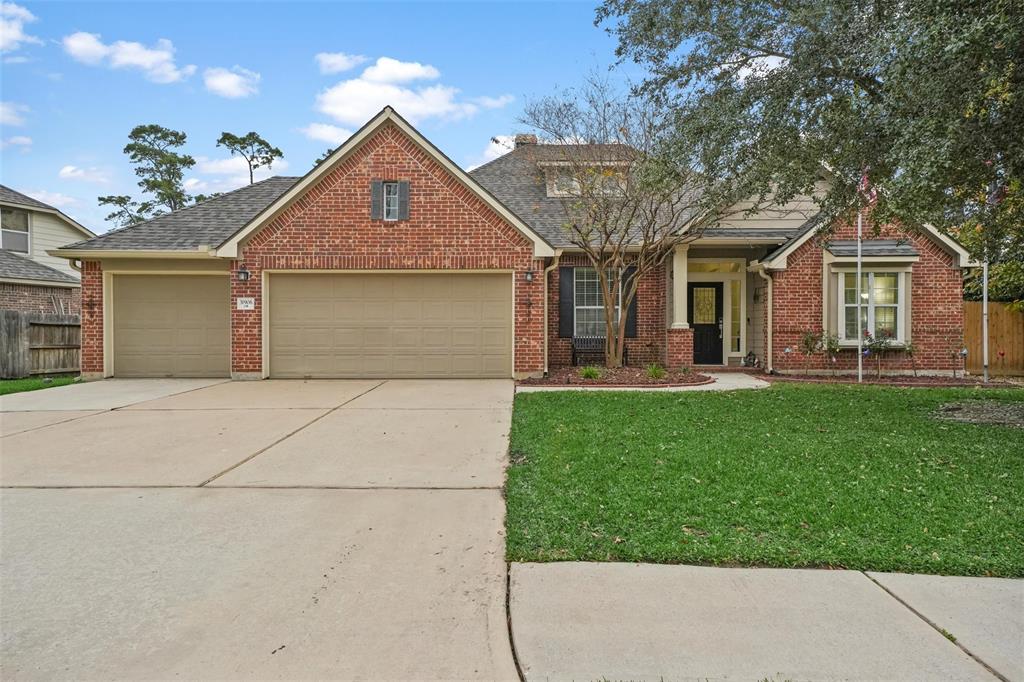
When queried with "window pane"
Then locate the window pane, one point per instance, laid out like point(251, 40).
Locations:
point(850, 288)
point(737, 323)
point(14, 219)
point(704, 305)
point(588, 289)
point(886, 288)
point(391, 201)
point(851, 329)
point(590, 322)
point(15, 241)
point(885, 321)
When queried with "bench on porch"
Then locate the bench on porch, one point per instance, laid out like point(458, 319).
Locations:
point(592, 347)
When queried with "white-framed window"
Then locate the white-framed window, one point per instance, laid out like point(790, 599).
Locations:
point(589, 304)
point(391, 201)
point(882, 295)
point(14, 233)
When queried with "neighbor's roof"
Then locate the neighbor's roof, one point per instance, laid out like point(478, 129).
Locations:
point(16, 266)
point(208, 223)
point(14, 198)
point(871, 247)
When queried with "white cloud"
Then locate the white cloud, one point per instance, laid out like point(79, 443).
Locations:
point(227, 174)
point(325, 132)
point(336, 62)
point(232, 83)
point(96, 175)
point(52, 198)
point(760, 66)
point(17, 59)
point(12, 114)
point(499, 145)
point(495, 102)
point(388, 70)
point(12, 27)
point(386, 82)
point(157, 63)
point(22, 141)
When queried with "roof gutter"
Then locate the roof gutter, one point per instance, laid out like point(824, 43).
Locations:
point(98, 254)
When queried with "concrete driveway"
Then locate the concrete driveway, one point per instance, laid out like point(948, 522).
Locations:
point(275, 529)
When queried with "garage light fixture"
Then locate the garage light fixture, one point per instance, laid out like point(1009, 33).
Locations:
point(529, 275)
point(244, 275)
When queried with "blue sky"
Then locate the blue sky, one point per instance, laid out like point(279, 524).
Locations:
point(76, 77)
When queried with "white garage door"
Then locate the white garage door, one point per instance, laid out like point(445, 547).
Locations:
point(390, 325)
point(171, 326)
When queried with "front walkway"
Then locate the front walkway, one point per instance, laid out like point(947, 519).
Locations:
point(621, 621)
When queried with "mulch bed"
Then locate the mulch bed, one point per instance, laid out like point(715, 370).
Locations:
point(622, 376)
point(983, 412)
point(904, 381)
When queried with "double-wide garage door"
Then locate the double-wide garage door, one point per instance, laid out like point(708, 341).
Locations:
point(171, 326)
point(390, 325)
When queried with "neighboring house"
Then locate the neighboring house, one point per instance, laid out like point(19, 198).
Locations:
point(32, 280)
point(388, 260)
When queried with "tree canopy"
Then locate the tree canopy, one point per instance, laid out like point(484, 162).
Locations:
point(153, 151)
point(924, 96)
point(256, 151)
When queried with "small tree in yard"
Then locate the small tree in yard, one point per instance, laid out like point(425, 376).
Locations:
point(830, 344)
point(629, 195)
point(810, 343)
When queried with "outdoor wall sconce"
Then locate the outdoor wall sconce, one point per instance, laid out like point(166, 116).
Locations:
point(244, 275)
point(529, 275)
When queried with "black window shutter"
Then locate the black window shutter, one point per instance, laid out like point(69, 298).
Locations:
point(403, 200)
point(566, 303)
point(627, 276)
point(376, 200)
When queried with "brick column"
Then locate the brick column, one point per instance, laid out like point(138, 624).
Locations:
point(92, 320)
point(680, 348)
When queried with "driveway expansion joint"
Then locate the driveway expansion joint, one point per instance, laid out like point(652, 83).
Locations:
point(942, 632)
point(289, 435)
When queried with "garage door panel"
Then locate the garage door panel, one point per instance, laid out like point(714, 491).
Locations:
point(171, 325)
point(392, 325)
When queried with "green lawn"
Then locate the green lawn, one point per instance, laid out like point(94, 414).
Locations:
point(853, 477)
point(32, 384)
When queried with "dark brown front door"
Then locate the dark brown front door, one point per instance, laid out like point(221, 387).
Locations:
point(705, 312)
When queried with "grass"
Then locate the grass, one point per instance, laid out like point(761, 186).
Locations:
point(792, 476)
point(8, 386)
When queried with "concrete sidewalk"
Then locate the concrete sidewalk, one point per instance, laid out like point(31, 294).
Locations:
point(650, 622)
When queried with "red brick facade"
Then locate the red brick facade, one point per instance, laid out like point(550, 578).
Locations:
point(936, 314)
point(680, 348)
point(92, 318)
point(449, 228)
point(649, 344)
point(33, 298)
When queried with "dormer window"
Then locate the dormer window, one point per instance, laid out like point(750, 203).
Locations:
point(14, 232)
point(389, 200)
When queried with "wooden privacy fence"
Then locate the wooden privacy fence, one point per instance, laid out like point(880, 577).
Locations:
point(36, 343)
point(1005, 335)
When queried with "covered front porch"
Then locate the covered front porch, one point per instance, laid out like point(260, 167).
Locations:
point(716, 307)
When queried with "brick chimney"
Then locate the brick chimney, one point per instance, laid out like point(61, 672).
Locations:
point(523, 139)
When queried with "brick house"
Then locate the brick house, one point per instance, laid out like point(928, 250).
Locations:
point(388, 260)
point(32, 280)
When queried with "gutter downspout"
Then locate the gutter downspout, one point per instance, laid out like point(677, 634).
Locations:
point(547, 271)
point(769, 355)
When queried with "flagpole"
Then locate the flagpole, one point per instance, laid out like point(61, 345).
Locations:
point(860, 334)
point(984, 315)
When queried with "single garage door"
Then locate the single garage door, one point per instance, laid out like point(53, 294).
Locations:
point(390, 325)
point(172, 326)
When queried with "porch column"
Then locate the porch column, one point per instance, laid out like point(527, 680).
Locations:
point(679, 279)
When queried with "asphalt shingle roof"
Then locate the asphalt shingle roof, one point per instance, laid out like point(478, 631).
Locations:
point(209, 223)
point(871, 247)
point(16, 266)
point(9, 196)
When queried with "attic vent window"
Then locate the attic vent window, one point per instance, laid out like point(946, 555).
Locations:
point(389, 200)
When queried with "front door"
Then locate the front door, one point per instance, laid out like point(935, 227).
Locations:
point(705, 308)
